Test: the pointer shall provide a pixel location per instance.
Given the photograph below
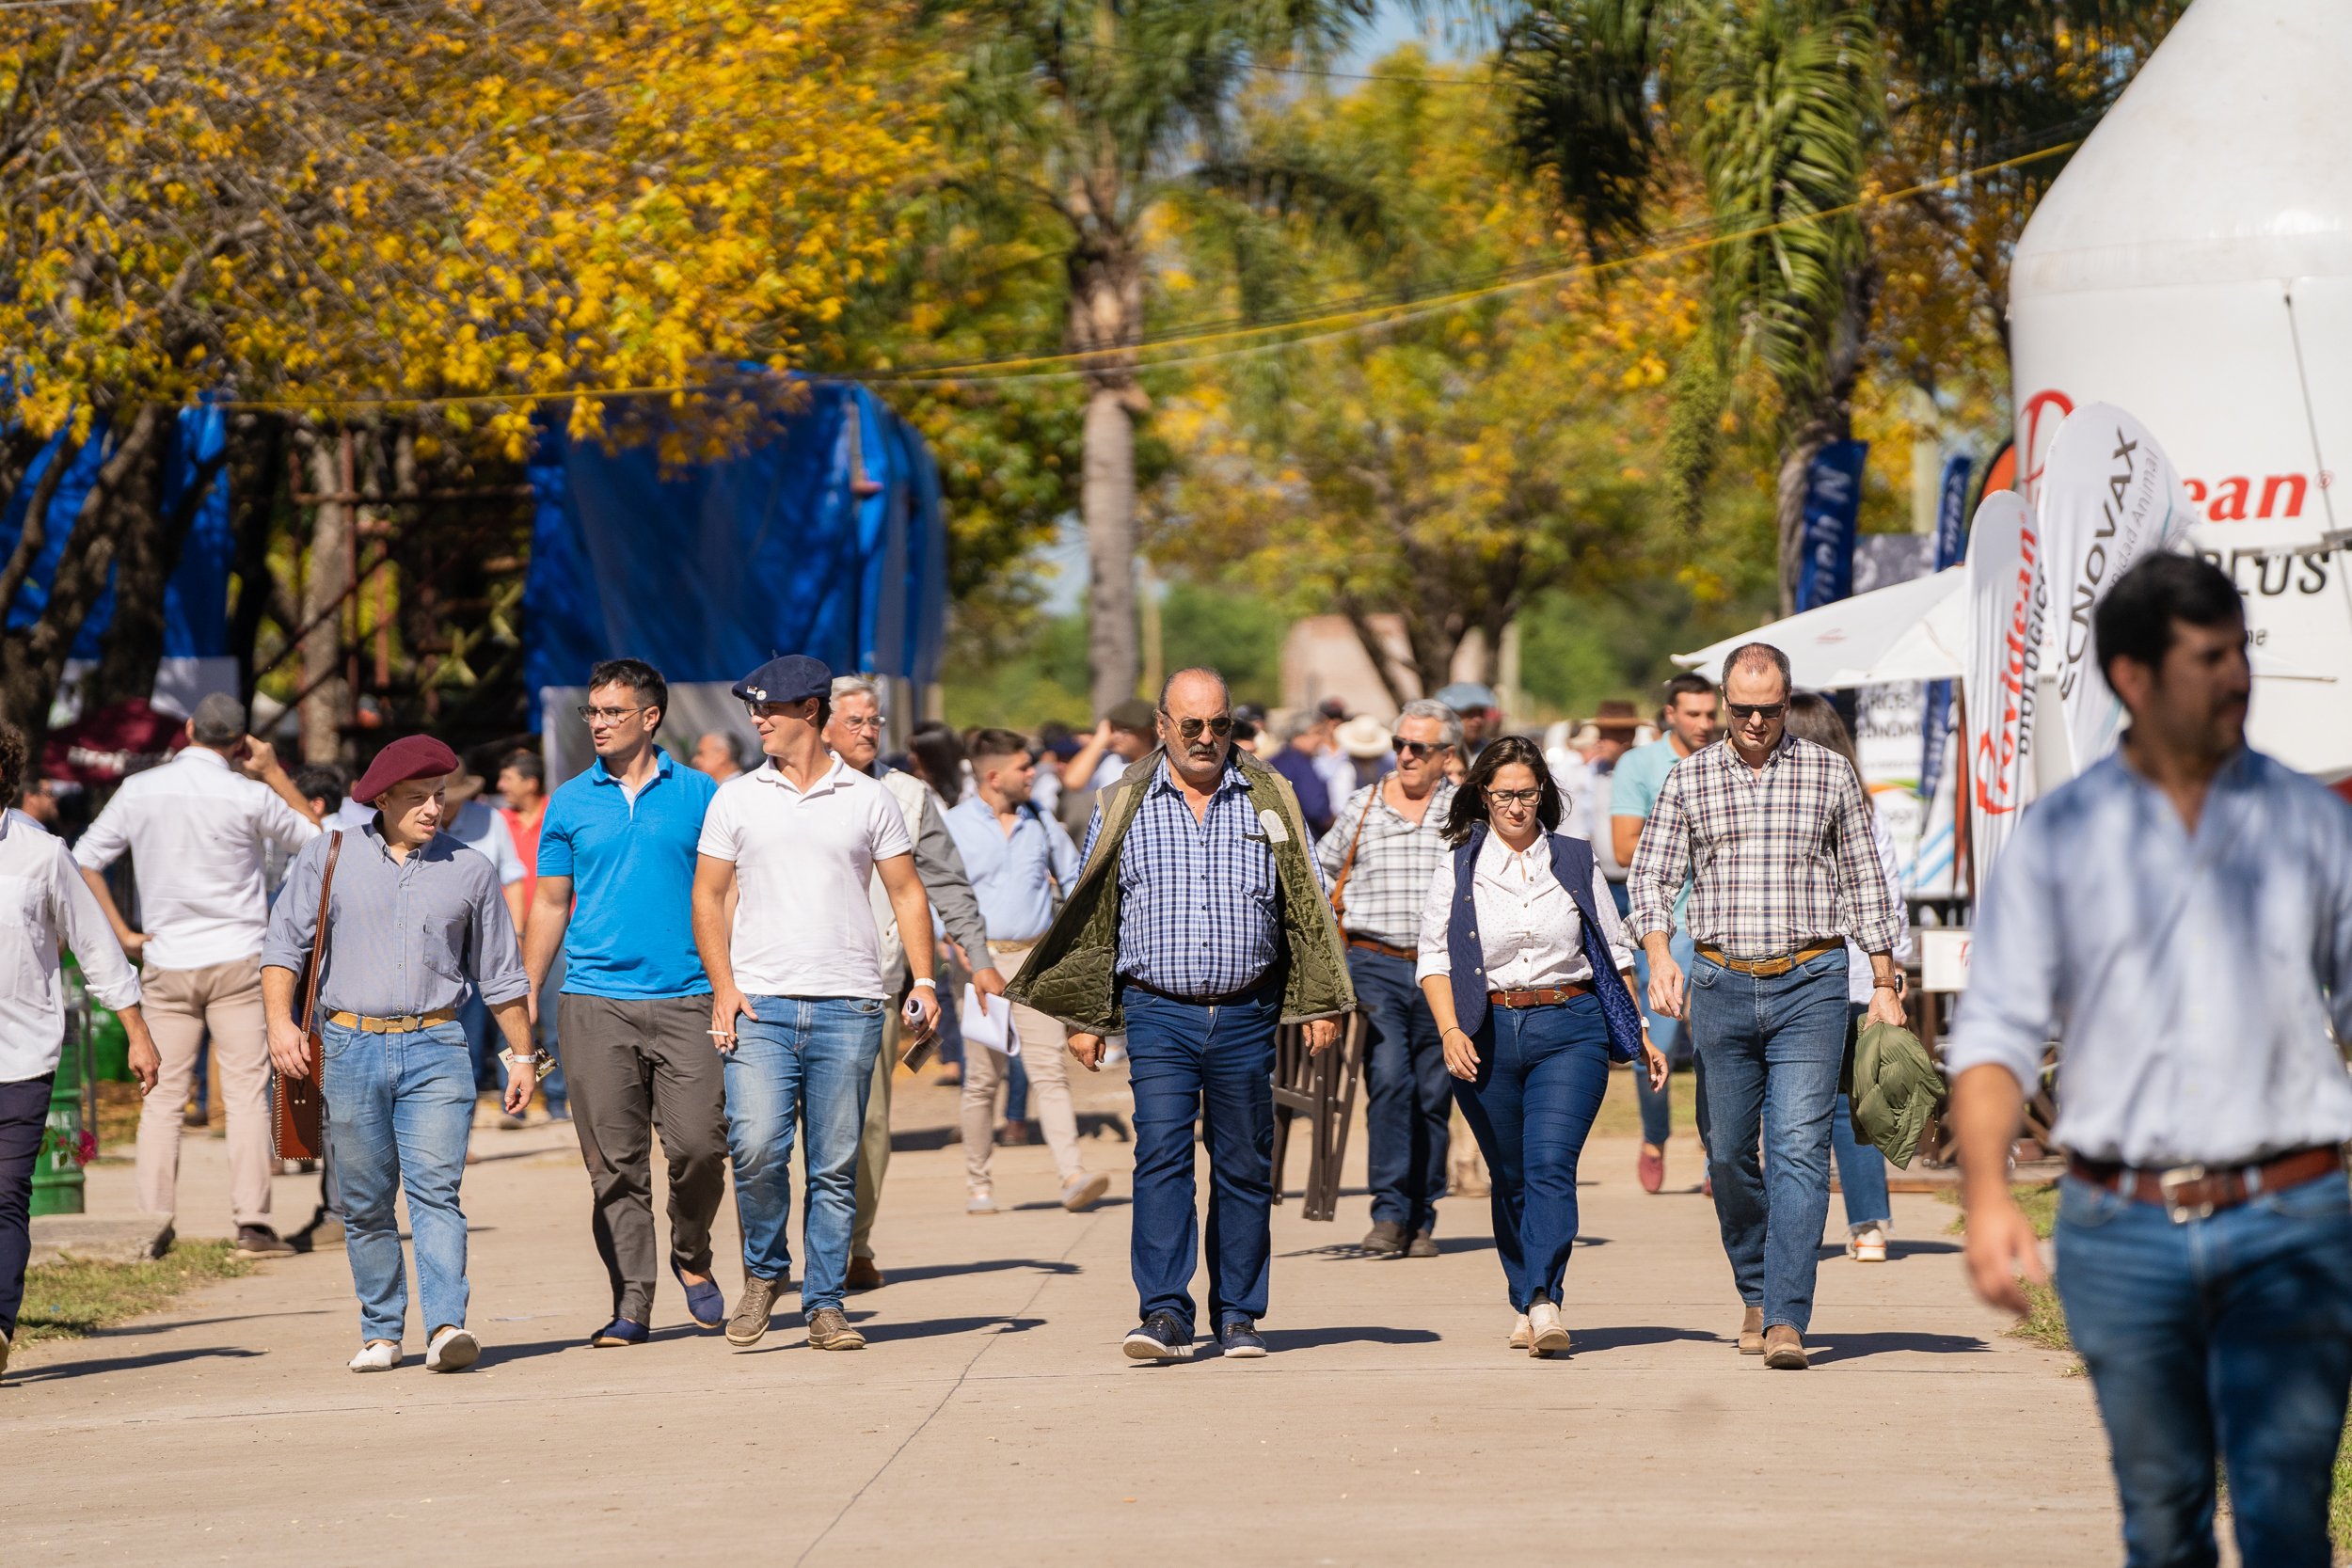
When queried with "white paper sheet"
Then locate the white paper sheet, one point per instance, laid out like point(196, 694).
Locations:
point(988, 1021)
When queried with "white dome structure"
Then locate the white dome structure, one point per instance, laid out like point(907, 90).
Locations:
point(2193, 264)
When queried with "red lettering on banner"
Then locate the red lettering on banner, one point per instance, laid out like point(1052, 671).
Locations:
point(2196, 488)
point(2295, 497)
point(2228, 502)
point(2034, 453)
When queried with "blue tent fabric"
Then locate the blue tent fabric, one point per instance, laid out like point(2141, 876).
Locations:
point(707, 571)
point(196, 599)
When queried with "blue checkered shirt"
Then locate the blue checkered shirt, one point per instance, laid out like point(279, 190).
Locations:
point(1199, 902)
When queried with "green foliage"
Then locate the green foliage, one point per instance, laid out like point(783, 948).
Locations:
point(2045, 1322)
point(73, 1298)
point(1237, 634)
point(1577, 648)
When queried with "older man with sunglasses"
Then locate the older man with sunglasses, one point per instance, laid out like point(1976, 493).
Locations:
point(1775, 837)
point(1197, 926)
point(1380, 856)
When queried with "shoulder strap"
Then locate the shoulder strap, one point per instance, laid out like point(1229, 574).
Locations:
point(318, 937)
point(1339, 888)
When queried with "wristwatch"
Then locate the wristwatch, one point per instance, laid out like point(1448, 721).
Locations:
point(1897, 985)
point(539, 1060)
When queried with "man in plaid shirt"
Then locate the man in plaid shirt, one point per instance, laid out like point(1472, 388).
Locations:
point(1776, 834)
point(1380, 855)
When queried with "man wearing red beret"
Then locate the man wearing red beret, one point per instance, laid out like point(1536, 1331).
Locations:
point(414, 917)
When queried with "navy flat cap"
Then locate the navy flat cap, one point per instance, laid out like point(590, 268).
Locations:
point(793, 679)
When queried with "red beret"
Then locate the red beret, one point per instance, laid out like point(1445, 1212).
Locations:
point(412, 756)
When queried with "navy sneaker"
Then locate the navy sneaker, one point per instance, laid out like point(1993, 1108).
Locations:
point(705, 1303)
point(620, 1331)
point(1159, 1338)
point(1238, 1339)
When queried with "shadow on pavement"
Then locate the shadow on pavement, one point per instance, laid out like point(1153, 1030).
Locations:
point(988, 1265)
point(1897, 1249)
point(1310, 1339)
point(170, 1325)
point(131, 1363)
point(933, 1329)
point(1853, 1347)
point(494, 1354)
point(1055, 1203)
point(1584, 1341)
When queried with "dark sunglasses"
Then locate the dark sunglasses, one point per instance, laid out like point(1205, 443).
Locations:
point(1745, 711)
point(1221, 727)
point(1418, 748)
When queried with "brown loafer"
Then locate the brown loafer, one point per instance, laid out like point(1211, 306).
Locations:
point(1783, 1348)
point(829, 1329)
point(1751, 1331)
point(864, 1274)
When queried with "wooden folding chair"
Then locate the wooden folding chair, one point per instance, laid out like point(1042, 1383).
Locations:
point(1323, 1087)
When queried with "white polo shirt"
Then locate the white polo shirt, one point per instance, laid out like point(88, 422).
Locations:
point(801, 861)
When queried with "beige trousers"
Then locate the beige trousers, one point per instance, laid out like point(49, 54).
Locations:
point(1045, 1054)
point(179, 1005)
point(873, 1147)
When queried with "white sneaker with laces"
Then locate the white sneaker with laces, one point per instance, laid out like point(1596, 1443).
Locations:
point(1546, 1333)
point(379, 1356)
point(453, 1350)
point(1867, 1245)
point(1519, 1333)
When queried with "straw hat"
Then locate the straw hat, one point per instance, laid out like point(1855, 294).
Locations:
point(1618, 718)
point(1362, 737)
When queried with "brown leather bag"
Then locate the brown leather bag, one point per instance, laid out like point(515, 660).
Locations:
point(299, 1128)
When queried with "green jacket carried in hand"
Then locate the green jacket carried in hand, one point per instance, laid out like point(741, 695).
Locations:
point(1071, 974)
point(1896, 1087)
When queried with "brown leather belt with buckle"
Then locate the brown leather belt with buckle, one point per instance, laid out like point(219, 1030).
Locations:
point(1537, 996)
point(405, 1024)
point(1767, 968)
point(1370, 946)
point(2193, 1193)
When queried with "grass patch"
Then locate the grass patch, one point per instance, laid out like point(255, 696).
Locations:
point(71, 1299)
point(2045, 1323)
point(2039, 1203)
point(1620, 1115)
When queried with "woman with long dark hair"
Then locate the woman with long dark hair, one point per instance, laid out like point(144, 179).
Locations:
point(1530, 974)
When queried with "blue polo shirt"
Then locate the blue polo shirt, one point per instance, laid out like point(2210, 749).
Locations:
point(632, 869)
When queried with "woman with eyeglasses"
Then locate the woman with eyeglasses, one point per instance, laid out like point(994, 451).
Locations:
point(1530, 974)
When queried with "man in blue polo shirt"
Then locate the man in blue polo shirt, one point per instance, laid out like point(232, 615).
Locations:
point(634, 1014)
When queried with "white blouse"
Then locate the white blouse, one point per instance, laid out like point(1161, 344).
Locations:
point(1529, 929)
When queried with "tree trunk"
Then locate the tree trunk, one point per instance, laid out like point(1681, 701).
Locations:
point(327, 581)
point(1794, 466)
point(1107, 498)
point(260, 470)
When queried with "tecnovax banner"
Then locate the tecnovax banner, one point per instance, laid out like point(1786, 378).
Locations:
point(2107, 497)
point(2008, 616)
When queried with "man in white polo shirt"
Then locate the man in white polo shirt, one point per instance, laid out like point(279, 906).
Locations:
point(797, 993)
point(198, 828)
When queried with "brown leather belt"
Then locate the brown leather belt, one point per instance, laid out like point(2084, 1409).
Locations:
point(405, 1024)
point(2193, 1193)
point(1537, 996)
point(1767, 969)
point(1370, 946)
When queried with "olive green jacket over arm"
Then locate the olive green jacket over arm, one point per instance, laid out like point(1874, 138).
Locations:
point(1070, 975)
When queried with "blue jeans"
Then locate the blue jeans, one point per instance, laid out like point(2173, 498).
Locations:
point(1768, 1052)
point(1542, 1073)
point(399, 1108)
point(1860, 1168)
point(1408, 1095)
point(1188, 1062)
point(804, 1058)
point(487, 1044)
point(2229, 1334)
point(1666, 1034)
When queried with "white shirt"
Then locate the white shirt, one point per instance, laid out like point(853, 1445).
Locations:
point(1529, 929)
point(1337, 770)
point(351, 815)
point(1860, 981)
point(478, 828)
point(198, 832)
point(43, 902)
point(802, 927)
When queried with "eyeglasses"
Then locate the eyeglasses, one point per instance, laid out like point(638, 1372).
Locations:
point(846, 723)
point(1515, 796)
point(1221, 727)
point(1416, 748)
point(1745, 711)
point(769, 710)
point(607, 715)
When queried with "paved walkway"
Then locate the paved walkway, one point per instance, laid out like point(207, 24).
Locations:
point(993, 1420)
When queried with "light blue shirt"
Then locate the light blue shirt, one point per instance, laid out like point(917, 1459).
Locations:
point(477, 827)
point(1012, 874)
point(1633, 787)
point(2190, 979)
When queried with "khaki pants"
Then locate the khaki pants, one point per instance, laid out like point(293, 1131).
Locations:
point(179, 1005)
point(1043, 1053)
point(873, 1147)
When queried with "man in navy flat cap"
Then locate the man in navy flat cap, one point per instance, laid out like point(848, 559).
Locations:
point(414, 917)
point(797, 992)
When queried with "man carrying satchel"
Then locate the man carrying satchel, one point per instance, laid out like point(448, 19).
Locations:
point(412, 918)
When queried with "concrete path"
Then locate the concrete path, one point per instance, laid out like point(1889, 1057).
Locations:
point(993, 1420)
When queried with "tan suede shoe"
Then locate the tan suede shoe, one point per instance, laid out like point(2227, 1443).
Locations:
point(1783, 1348)
point(1751, 1331)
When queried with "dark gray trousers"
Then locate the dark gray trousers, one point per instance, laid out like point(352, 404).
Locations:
point(629, 1061)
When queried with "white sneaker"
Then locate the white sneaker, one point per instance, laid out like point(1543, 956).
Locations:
point(380, 1355)
point(1083, 1191)
point(1520, 1332)
point(453, 1350)
point(1545, 1333)
point(981, 1202)
point(1867, 1245)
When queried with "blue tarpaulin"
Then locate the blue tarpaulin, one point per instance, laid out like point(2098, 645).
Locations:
point(709, 570)
point(196, 598)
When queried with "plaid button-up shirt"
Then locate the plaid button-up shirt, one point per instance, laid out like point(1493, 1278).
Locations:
point(1395, 863)
point(1198, 901)
point(1779, 857)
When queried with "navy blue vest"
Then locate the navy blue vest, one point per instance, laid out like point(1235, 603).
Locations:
point(1572, 863)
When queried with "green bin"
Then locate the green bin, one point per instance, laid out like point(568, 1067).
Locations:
point(110, 1042)
point(58, 1169)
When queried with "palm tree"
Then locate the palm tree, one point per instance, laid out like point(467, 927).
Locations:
point(1091, 110)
